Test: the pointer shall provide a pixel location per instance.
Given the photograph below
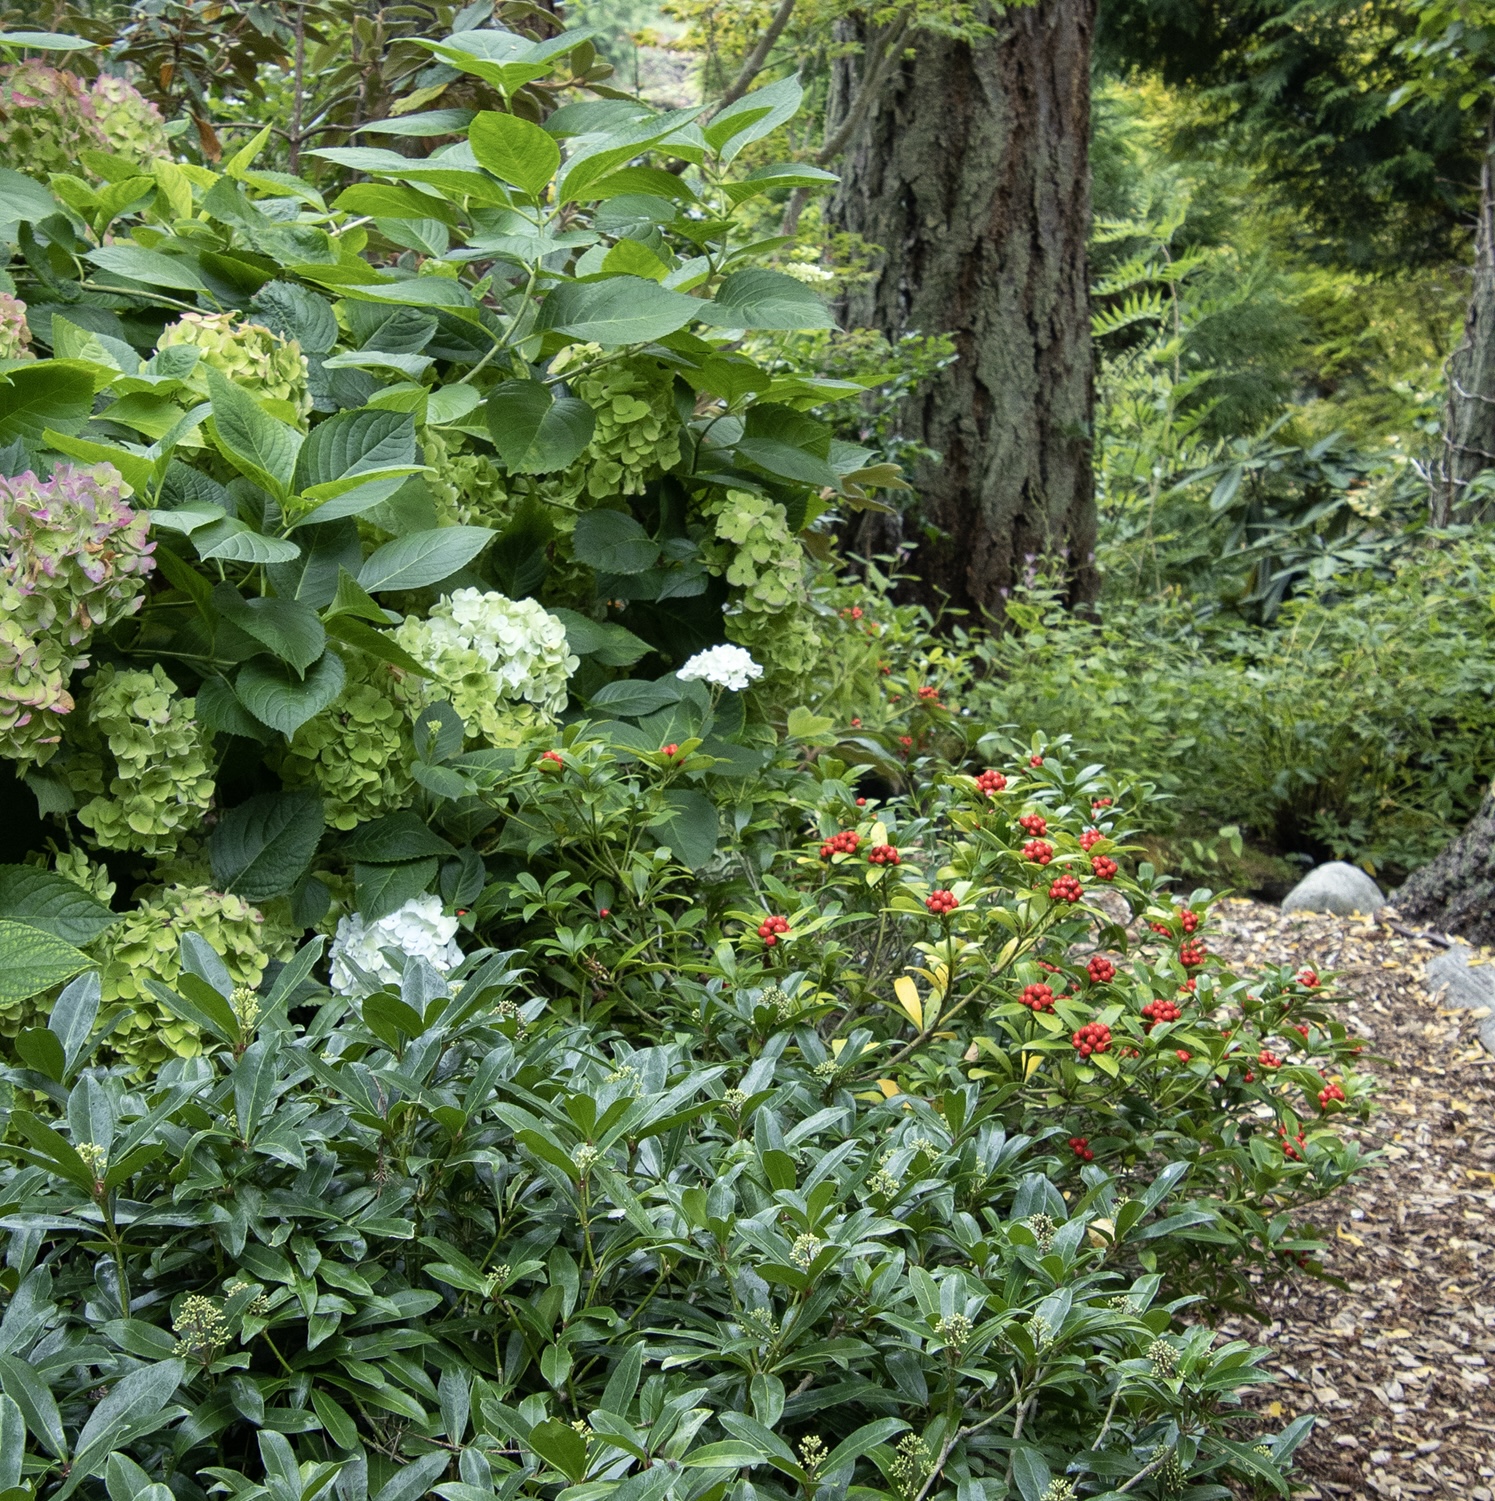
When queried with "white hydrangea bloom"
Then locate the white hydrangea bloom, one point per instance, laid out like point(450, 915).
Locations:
point(503, 662)
point(420, 929)
point(722, 667)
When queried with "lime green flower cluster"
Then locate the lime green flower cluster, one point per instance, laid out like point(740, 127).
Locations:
point(162, 781)
point(469, 488)
point(15, 336)
point(638, 428)
point(49, 117)
point(764, 562)
point(502, 663)
point(146, 946)
point(92, 877)
point(357, 752)
point(248, 354)
point(132, 125)
point(73, 557)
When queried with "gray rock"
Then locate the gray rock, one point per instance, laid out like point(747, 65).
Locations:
point(1467, 985)
point(1336, 887)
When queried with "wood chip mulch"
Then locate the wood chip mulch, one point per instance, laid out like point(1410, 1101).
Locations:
point(1397, 1366)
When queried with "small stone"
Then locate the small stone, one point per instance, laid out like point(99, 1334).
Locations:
point(1337, 887)
point(1467, 986)
point(1380, 1456)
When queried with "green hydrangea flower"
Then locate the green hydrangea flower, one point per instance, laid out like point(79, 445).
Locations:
point(73, 557)
point(638, 428)
point(764, 562)
point(88, 874)
point(502, 663)
point(470, 488)
point(357, 753)
point(248, 354)
point(146, 945)
point(15, 335)
point(162, 781)
point(132, 125)
point(47, 118)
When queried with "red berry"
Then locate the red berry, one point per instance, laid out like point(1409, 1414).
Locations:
point(930, 695)
point(846, 842)
point(856, 724)
point(1039, 851)
point(861, 802)
point(1090, 838)
point(1097, 803)
point(770, 928)
point(1188, 920)
point(1183, 1054)
point(1101, 969)
point(1093, 1037)
point(1268, 1059)
point(1066, 889)
point(1160, 1011)
point(941, 903)
point(1033, 823)
point(604, 912)
point(906, 741)
point(669, 750)
point(1308, 978)
point(991, 782)
point(1035, 760)
point(1329, 1095)
point(883, 854)
point(1037, 998)
point(1160, 928)
point(552, 756)
point(1103, 867)
point(1080, 1146)
point(1191, 955)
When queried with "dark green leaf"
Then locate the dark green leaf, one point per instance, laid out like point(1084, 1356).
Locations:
point(278, 697)
point(619, 310)
point(423, 558)
point(381, 889)
point(533, 432)
point(285, 627)
point(397, 837)
point(360, 442)
point(757, 298)
point(46, 900)
point(691, 827)
point(262, 848)
point(613, 542)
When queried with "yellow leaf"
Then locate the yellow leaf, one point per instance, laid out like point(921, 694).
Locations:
point(837, 1043)
point(1274, 1409)
point(908, 997)
point(1032, 1065)
point(888, 1087)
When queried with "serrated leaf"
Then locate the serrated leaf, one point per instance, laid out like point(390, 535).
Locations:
point(535, 432)
point(420, 559)
point(620, 310)
point(276, 696)
point(514, 150)
point(261, 848)
point(43, 899)
point(758, 298)
point(33, 960)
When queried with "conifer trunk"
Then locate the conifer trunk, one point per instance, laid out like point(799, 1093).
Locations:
point(973, 178)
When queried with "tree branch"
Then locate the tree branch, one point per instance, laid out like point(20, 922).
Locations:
point(753, 66)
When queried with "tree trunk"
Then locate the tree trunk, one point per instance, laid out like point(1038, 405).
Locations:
point(972, 175)
point(1469, 418)
point(1456, 891)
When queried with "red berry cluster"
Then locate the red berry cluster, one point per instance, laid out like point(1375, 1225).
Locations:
point(1080, 1146)
point(669, 750)
point(854, 613)
point(906, 741)
point(930, 695)
point(991, 782)
point(1183, 1054)
point(770, 928)
point(1268, 1059)
point(1188, 920)
point(1035, 760)
point(1093, 1037)
point(883, 854)
point(1037, 998)
point(941, 903)
point(1191, 955)
point(1090, 838)
point(846, 842)
point(1291, 1148)
point(1039, 851)
point(1048, 968)
point(1104, 867)
point(1034, 824)
point(1329, 1094)
point(1191, 985)
point(1160, 928)
point(553, 756)
point(1097, 803)
point(1160, 1011)
point(1308, 978)
point(1066, 889)
point(1101, 969)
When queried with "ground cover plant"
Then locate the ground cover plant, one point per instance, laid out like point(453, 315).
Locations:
point(522, 974)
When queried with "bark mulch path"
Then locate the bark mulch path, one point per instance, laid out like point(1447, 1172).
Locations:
point(1398, 1366)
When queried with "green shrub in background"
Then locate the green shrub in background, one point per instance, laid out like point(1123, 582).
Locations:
point(1359, 727)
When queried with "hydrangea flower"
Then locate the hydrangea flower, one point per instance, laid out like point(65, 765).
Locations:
point(419, 929)
point(722, 667)
point(249, 354)
point(73, 557)
point(49, 117)
point(502, 662)
point(15, 335)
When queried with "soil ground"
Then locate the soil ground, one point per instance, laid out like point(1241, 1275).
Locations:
point(1398, 1364)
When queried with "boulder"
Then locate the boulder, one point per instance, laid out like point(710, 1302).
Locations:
point(1467, 981)
point(1336, 887)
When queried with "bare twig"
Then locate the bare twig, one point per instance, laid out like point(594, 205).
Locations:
point(756, 59)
